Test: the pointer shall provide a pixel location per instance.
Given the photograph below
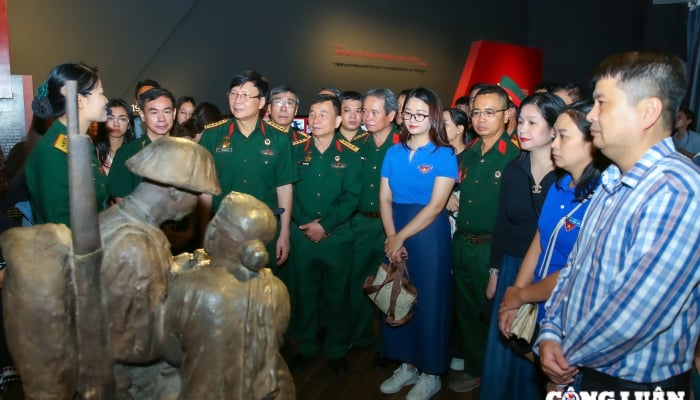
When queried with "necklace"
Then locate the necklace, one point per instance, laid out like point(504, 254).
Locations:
point(536, 188)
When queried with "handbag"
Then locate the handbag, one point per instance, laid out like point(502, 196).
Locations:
point(524, 328)
point(391, 290)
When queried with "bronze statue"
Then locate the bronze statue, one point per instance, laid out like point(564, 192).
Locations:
point(229, 316)
point(137, 275)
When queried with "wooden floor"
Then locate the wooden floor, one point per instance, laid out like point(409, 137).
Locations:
point(319, 381)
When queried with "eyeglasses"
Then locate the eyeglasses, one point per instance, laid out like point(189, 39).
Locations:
point(243, 96)
point(486, 113)
point(417, 117)
point(118, 120)
point(277, 103)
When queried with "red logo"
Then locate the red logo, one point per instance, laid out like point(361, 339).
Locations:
point(425, 168)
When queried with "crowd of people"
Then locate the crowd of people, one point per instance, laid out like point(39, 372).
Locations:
point(583, 206)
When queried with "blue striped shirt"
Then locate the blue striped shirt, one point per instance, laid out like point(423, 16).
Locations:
point(628, 303)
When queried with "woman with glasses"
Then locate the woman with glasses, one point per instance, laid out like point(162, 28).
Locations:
point(558, 224)
point(417, 178)
point(524, 187)
point(113, 133)
point(47, 165)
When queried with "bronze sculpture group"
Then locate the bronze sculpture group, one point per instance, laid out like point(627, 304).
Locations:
point(205, 327)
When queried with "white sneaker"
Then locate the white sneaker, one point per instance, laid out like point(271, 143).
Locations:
point(402, 377)
point(426, 387)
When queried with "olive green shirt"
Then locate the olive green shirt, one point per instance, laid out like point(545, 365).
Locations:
point(47, 178)
point(256, 165)
point(371, 159)
point(122, 181)
point(329, 187)
point(480, 188)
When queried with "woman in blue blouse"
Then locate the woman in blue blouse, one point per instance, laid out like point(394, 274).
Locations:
point(572, 151)
point(418, 175)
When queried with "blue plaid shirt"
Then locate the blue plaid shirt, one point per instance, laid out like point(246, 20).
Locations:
point(628, 303)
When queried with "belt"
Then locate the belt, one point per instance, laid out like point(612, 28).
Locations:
point(371, 214)
point(596, 380)
point(477, 239)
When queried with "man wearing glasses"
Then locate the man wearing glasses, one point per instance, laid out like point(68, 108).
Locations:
point(252, 157)
point(282, 109)
point(483, 162)
point(157, 111)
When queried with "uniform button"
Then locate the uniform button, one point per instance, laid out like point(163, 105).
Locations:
point(371, 185)
point(319, 175)
point(476, 181)
point(371, 203)
point(245, 181)
point(318, 194)
point(374, 167)
point(482, 160)
point(318, 213)
point(469, 201)
point(467, 222)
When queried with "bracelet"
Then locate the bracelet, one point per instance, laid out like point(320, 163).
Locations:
point(493, 272)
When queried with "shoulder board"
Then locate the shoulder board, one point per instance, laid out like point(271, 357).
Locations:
point(360, 136)
point(300, 141)
point(61, 143)
point(277, 126)
point(349, 145)
point(302, 134)
point(215, 124)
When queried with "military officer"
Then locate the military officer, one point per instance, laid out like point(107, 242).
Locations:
point(252, 157)
point(379, 107)
point(351, 115)
point(282, 109)
point(324, 201)
point(482, 165)
point(157, 111)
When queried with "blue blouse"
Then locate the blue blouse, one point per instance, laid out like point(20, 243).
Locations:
point(559, 202)
point(412, 180)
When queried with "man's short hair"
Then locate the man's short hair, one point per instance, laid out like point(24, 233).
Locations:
point(464, 101)
point(642, 75)
point(259, 81)
point(322, 98)
point(283, 89)
point(390, 101)
point(497, 90)
point(689, 114)
point(154, 93)
point(145, 82)
point(350, 95)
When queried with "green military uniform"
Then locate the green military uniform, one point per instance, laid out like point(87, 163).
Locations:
point(122, 181)
point(359, 134)
point(478, 208)
point(47, 178)
point(293, 133)
point(319, 272)
point(368, 248)
point(256, 165)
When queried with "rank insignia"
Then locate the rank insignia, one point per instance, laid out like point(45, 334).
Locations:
point(267, 142)
point(224, 149)
point(337, 158)
point(497, 174)
point(267, 152)
point(61, 143)
point(307, 158)
point(424, 168)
